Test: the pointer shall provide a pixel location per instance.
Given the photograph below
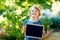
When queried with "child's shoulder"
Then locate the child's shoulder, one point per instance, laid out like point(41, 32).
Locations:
point(26, 20)
point(40, 22)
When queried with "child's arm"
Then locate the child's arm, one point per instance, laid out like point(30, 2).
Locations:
point(44, 34)
point(43, 31)
point(24, 27)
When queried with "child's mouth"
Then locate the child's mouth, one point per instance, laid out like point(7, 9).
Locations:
point(33, 14)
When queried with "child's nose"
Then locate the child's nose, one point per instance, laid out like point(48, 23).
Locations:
point(34, 11)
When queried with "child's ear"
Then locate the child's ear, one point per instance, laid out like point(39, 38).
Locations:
point(39, 13)
point(29, 13)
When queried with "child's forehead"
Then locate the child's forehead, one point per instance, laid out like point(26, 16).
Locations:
point(33, 9)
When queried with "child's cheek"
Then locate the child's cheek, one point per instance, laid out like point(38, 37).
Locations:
point(31, 13)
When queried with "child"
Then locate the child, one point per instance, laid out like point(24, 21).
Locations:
point(34, 15)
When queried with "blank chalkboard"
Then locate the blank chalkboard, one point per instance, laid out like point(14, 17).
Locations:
point(34, 30)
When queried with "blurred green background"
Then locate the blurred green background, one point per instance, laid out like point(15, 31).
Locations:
point(14, 12)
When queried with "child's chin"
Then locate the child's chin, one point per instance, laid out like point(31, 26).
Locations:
point(33, 15)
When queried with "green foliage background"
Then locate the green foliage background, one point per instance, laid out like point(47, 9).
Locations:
point(14, 20)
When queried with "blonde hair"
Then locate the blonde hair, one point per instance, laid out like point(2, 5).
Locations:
point(36, 7)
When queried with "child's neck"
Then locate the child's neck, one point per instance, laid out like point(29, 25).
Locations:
point(33, 19)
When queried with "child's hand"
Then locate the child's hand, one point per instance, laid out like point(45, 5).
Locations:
point(24, 30)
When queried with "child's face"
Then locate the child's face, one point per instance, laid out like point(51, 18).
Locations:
point(34, 12)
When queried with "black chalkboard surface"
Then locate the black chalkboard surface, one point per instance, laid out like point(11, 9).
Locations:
point(34, 31)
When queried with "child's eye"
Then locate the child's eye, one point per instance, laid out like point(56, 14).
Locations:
point(36, 11)
point(32, 10)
